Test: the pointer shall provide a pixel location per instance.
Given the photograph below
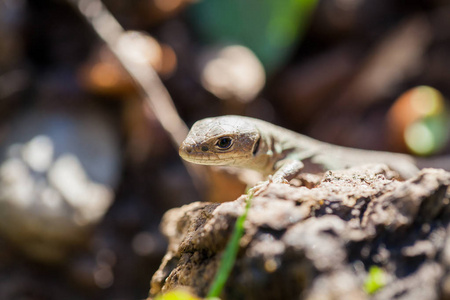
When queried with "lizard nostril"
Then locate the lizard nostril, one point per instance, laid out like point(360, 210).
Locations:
point(188, 149)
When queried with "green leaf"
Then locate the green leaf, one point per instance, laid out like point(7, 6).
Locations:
point(270, 28)
point(376, 279)
point(177, 294)
point(429, 135)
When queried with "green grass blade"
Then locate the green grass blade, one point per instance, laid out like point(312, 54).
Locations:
point(230, 253)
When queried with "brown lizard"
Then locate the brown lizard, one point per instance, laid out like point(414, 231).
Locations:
point(255, 144)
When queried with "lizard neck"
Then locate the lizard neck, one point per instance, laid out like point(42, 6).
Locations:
point(278, 143)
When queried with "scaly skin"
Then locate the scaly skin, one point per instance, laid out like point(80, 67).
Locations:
point(251, 143)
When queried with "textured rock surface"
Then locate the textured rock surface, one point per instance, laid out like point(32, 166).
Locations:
point(319, 242)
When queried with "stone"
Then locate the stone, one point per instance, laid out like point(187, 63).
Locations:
point(58, 172)
point(319, 242)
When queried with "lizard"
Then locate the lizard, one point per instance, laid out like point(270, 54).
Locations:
point(278, 152)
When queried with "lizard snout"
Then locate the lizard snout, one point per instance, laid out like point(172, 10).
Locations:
point(185, 148)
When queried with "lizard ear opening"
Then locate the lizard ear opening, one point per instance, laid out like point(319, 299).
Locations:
point(256, 147)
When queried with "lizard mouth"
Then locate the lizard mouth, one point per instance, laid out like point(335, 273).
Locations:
point(207, 158)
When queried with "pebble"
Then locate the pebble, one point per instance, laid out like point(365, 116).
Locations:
point(58, 172)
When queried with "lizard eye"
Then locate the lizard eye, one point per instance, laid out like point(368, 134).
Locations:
point(224, 143)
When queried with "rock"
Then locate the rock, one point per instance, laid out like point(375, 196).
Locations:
point(57, 176)
point(319, 242)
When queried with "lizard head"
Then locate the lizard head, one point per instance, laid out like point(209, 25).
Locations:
point(226, 140)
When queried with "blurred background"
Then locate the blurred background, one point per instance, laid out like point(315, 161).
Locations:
point(87, 166)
